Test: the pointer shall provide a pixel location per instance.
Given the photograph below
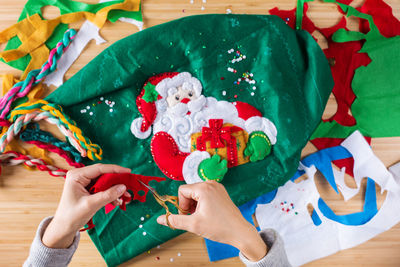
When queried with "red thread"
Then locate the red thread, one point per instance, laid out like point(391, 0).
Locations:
point(57, 150)
point(10, 156)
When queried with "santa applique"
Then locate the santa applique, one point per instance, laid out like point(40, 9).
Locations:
point(197, 138)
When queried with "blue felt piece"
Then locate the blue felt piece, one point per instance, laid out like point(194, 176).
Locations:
point(315, 218)
point(322, 161)
point(219, 251)
point(358, 218)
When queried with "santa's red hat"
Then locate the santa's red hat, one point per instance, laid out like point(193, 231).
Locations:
point(155, 88)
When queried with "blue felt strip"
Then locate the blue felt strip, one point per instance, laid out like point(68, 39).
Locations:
point(357, 218)
point(219, 251)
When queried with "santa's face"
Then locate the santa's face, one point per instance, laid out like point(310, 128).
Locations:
point(181, 94)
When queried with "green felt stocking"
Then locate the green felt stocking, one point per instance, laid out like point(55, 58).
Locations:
point(292, 82)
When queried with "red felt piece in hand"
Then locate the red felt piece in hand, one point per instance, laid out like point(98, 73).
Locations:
point(131, 181)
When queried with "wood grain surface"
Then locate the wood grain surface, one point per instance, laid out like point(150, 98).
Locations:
point(26, 197)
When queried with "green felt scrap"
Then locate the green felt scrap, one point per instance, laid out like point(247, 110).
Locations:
point(292, 85)
point(376, 86)
point(65, 6)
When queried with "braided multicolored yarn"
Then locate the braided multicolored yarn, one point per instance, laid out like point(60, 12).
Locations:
point(35, 134)
point(58, 151)
point(15, 128)
point(34, 77)
point(41, 109)
point(13, 158)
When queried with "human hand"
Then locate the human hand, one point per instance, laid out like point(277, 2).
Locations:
point(214, 216)
point(77, 206)
point(213, 168)
point(258, 146)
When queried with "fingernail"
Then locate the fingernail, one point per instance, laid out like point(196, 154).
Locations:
point(121, 188)
point(160, 220)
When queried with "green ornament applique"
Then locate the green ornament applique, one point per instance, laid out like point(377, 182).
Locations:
point(150, 93)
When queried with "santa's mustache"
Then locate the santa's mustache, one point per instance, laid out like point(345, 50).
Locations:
point(181, 109)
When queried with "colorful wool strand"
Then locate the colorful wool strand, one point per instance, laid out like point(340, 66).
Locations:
point(13, 158)
point(34, 77)
point(35, 134)
point(41, 109)
point(60, 152)
point(24, 120)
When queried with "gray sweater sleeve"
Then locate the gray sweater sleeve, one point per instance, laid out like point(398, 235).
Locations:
point(40, 255)
point(276, 255)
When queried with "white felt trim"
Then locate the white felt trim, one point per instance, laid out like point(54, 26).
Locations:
point(182, 79)
point(86, 33)
point(135, 129)
point(191, 166)
point(363, 156)
point(258, 123)
point(302, 238)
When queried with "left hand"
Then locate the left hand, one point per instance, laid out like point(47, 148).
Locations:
point(258, 146)
point(77, 205)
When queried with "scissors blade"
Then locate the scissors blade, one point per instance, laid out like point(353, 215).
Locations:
point(148, 187)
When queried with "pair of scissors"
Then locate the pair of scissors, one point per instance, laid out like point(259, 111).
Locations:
point(162, 200)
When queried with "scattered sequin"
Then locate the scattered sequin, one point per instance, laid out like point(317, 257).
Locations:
point(202, 8)
point(88, 107)
point(179, 254)
point(158, 246)
point(147, 216)
point(140, 226)
point(228, 11)
point(101, 98)
point(224, 93)
point(142, 218)
point(144, 233)
point(158, 258)
point(111, 110)
point(148, 252)
point(252, 93)
point(90, 113)
point(171, 259)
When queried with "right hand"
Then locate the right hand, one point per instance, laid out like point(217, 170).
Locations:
point(214, 216)
point(213, 168)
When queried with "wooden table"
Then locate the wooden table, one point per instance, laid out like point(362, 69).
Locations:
point(27, 197)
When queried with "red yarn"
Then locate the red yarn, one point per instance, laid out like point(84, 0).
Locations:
point(15, 158)
point(57, 150)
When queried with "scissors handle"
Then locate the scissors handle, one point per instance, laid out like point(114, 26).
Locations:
point(173, 200)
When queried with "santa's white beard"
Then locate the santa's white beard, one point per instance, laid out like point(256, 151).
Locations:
point(180, 125)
